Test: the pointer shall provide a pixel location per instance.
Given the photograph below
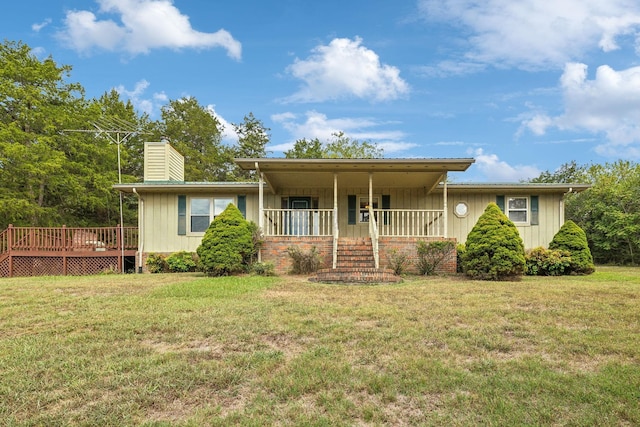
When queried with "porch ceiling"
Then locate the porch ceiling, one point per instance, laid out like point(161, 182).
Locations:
point(388, 173)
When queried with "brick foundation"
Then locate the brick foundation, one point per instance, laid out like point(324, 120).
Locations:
point(275, 248)
point(409, 246)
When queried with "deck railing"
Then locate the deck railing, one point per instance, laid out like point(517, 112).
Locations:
point(57, 239)
point(410, 222)
point(298, 222)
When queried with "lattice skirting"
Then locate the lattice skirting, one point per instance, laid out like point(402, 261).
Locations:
point(54, 266)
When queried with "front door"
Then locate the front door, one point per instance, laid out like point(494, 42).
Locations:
point(299, 221)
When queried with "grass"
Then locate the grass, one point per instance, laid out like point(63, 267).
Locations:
point(187, 350)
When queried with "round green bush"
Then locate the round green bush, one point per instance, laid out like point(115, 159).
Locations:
point(227, 244)
point(547, 262)
point(494, 248)
point(181, 262)
point(572, 238)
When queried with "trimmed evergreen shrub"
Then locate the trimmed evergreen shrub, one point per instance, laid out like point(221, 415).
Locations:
point(494, 248)
point(181, 262)
point(156, 263)
point(431, 255)
point(304, 262)
point(227, 244)
point(572, 238)
point(547, 262)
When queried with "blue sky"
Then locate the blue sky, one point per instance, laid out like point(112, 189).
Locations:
point(522, 86)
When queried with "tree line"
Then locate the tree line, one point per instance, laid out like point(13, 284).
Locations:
point(51, 176)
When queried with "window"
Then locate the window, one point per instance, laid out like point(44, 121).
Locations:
point(204, 209)
point(461, 210)
point(364, 208)
point(517, 209)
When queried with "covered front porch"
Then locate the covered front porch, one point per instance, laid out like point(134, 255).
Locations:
point(356, 198)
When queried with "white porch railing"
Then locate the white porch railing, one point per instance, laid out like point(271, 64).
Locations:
point(298, 222)
point(321, 222)
point(410, 222)
point(373, 233)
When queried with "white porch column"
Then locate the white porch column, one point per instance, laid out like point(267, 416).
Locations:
point(445, 215)
point(371, 189)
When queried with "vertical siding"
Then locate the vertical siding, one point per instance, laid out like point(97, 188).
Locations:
point(532, 235)
point(161, 213)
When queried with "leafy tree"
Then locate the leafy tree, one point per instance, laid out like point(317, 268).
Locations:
point(568, 173)
point(343, 147)
point(49, 176)
point(609, 212)
point(253, 137)
point(340, 147)
point(306, 149)
point(111, 108)
point(494, 248)
point(573, 239)
point(196, 133)
point(227, 244)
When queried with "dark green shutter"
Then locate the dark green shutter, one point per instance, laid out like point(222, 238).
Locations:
point(352, 211)
point(242, 205)
point(182, 215)
point(500, 202)
point(386, 204)
point(534, 211)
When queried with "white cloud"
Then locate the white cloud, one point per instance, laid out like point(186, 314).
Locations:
point(139, 101)
point(345, 69)
point(533, 34)
point(40, 25)
point(228, 132)
point(317, 125)
point(496, 170)
point(450, 68)
point(143, 25)
point(608, 104)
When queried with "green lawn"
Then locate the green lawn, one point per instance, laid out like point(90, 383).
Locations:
point(189, 350)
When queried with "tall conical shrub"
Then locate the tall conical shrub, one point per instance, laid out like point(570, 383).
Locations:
point(226, 244)
point(573, 239)
point(494, 248)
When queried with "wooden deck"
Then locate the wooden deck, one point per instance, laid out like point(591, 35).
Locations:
point(48, 251)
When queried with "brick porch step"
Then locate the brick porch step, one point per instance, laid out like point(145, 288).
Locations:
point(356, 275)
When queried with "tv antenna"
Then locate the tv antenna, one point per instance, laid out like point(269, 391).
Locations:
point(118, 131)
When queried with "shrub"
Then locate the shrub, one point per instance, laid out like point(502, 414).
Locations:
point(263, 269)
point(547, 262)
point(156, 263)
point(494, 248)
point(257, 239)
point(227, 244)
point(431, 255)
point(304, 262)
point(398, 261)
point(182, 262)
point(572, 238)
point(460, 250)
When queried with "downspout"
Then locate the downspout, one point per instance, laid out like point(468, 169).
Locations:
point(140, 229)
point(336, 232)
point(561, 216)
